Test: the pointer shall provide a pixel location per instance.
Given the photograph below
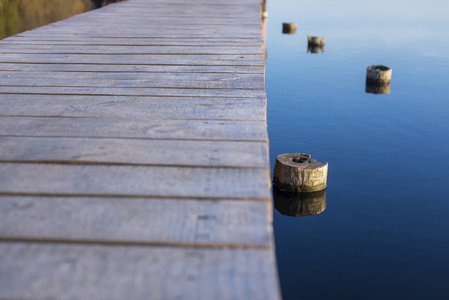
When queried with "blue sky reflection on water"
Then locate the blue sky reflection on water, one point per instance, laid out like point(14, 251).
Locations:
point(384, 233)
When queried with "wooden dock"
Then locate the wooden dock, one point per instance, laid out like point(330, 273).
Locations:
point(134, 155)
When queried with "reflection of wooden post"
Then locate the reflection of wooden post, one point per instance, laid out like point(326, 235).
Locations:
point(299, 204)
point(314, 49)
point(377, 89)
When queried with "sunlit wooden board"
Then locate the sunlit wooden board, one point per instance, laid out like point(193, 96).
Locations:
point(72, 271)
point(151, 222)
point(135, 107)
point(134, 155)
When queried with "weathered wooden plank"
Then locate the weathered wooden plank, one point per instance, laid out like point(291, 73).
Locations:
point(169, 12)
point(137, 152)
point(148, 26)
point(201, 108)
point(231, 32)
point(31, 67)
point(220, 17)
point(134, 128)
point(212, 18)
point(154, 23)
point(135, 76)
point(24, 37)
point(138, 59)
point(150, 82)
point(155, 42)
point(250, 25)
point(58, 271)
point(224, 223)
point(108, 50)
point(138, 92)
point(134, 181)
point(147, 34)
point(236, 11)
point(240, 10)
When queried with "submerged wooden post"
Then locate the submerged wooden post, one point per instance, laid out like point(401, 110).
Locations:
point(299, 204)
point(378, 74)
point(298, 172)
point(378, 79)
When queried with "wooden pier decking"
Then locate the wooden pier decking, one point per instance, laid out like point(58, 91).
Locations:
point(134, 155)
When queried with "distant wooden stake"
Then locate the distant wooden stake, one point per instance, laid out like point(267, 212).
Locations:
point(378, 74)
point(289, 28)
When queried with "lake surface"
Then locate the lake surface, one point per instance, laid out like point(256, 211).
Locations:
point(384, 233)
point(20, 15)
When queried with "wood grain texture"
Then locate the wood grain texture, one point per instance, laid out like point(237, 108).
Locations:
point(191, 108)
point(134, 83)
point(134, 152)
point(152, 42)
point(134, 155)
point(134, 128)
point(137, 59)
point(135, 181)
point(67, 271)
point(159, 76)
point(155, 76)
point(134, 91)
point(206, 223)
point(114, 68)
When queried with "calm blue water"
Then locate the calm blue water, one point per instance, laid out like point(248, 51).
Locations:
point(385, 231)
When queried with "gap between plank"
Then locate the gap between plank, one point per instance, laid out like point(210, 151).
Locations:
point(124, 196)
point(129, 243)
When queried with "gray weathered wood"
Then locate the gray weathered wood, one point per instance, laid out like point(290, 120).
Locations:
point(138, 59)
point(190, 108)
point(134, 91)
point(134, 83)
point(134, 152)
point(124, 181)
point(227, 77)
point(132, 220)
point(134, 128)
point(65, 271)
point(98, 68)
point(154, 42)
